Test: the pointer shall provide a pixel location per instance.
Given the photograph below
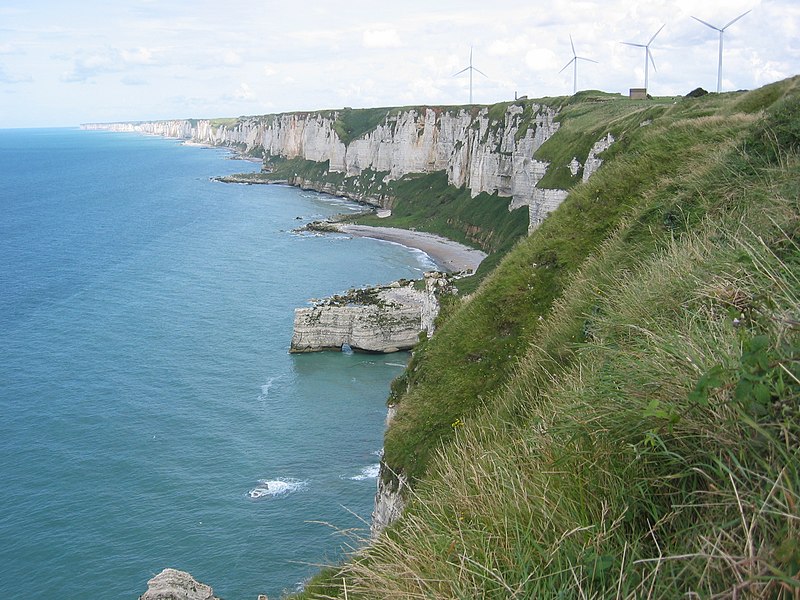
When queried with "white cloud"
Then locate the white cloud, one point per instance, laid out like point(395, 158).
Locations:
point(509, 46)
point(244, 92)
point(8, 48)
point(544, 59)
point(10, 78)
point(231, 58)
point(381, 38)
point(88, 65)
point(138, 56)
point(326, 57)
point(128, 80)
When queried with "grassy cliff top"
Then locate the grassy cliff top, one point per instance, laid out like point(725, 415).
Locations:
point(614, 412)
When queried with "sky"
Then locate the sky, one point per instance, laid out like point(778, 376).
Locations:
point(66, 62)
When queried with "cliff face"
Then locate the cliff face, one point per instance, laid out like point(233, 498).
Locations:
point(486, 152)
point(384, 319)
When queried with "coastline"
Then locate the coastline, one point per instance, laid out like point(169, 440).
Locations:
point(447, 254)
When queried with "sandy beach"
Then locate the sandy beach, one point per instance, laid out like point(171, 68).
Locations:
point(447, 254)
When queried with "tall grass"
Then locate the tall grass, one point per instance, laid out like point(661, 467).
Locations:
point(658, 189)
point(611, 476)
point(615, 413)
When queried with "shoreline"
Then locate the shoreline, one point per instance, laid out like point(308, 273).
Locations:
point(452, 256)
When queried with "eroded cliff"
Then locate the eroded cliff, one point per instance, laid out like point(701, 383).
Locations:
point(382, 319)
point(488, 149)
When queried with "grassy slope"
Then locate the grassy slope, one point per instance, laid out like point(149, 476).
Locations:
point(593, 422)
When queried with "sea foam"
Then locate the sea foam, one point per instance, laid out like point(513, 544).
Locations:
point(276, 487)
point(369, 472)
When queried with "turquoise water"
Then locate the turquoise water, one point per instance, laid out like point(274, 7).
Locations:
point(150, 415)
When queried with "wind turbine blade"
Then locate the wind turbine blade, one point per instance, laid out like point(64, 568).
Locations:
point(650, 56)
point(736, 19)
point(707, 24)
point(656, 33)
point(568, 64)
point(589, 59)
point(481, 72)
point(632, 44)
point(462, 71)
point(571, 44)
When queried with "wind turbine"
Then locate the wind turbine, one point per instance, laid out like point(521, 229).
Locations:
point(574, 63)
point(721, 31)
point(470, 68)
point(647, 53)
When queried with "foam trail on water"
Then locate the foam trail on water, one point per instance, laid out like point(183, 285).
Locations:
point(266, 387)
point(276, 487)
point(370, 472)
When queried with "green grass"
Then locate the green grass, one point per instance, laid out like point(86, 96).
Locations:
point(353, 123)
point(584, 119)
point(429, 203)
point(614, 412)
point(472, 357)
point(227, 122)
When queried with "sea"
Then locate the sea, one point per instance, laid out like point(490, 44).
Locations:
point(150, 413)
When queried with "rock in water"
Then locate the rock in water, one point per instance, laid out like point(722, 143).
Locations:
point(172, 584)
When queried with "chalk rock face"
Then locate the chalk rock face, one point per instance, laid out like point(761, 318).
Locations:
point(388, 504)
point(484, 153)
point(383, 319)
point(592, 162)
point(172, 584)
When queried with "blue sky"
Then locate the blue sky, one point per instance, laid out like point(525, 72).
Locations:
point(66, 62)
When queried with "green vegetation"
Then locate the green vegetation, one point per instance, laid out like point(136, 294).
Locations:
point(584, 119)
point(428, 203)
point(615, 411)
point(227, 122)
point(352, 124)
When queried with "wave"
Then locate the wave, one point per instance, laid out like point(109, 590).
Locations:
point(276, 487)
point(266, 387)
point(369, 472)
point(424, 260)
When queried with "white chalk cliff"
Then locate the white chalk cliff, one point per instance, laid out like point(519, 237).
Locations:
point(383, 319)
point(476, 150)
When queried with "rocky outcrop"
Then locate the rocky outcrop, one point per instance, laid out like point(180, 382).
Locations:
point(172, 584)
point(592, 162)
point(381, 319)
point(389, 502)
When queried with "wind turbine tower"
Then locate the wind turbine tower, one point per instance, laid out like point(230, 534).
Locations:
point(470, 68)
point(574, 63)
point(721, 32)
point(647, 54)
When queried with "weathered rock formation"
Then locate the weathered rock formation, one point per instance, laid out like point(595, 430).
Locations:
point(389, 503)
point(172, 584)
point(381, 319)
point(485, 153)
